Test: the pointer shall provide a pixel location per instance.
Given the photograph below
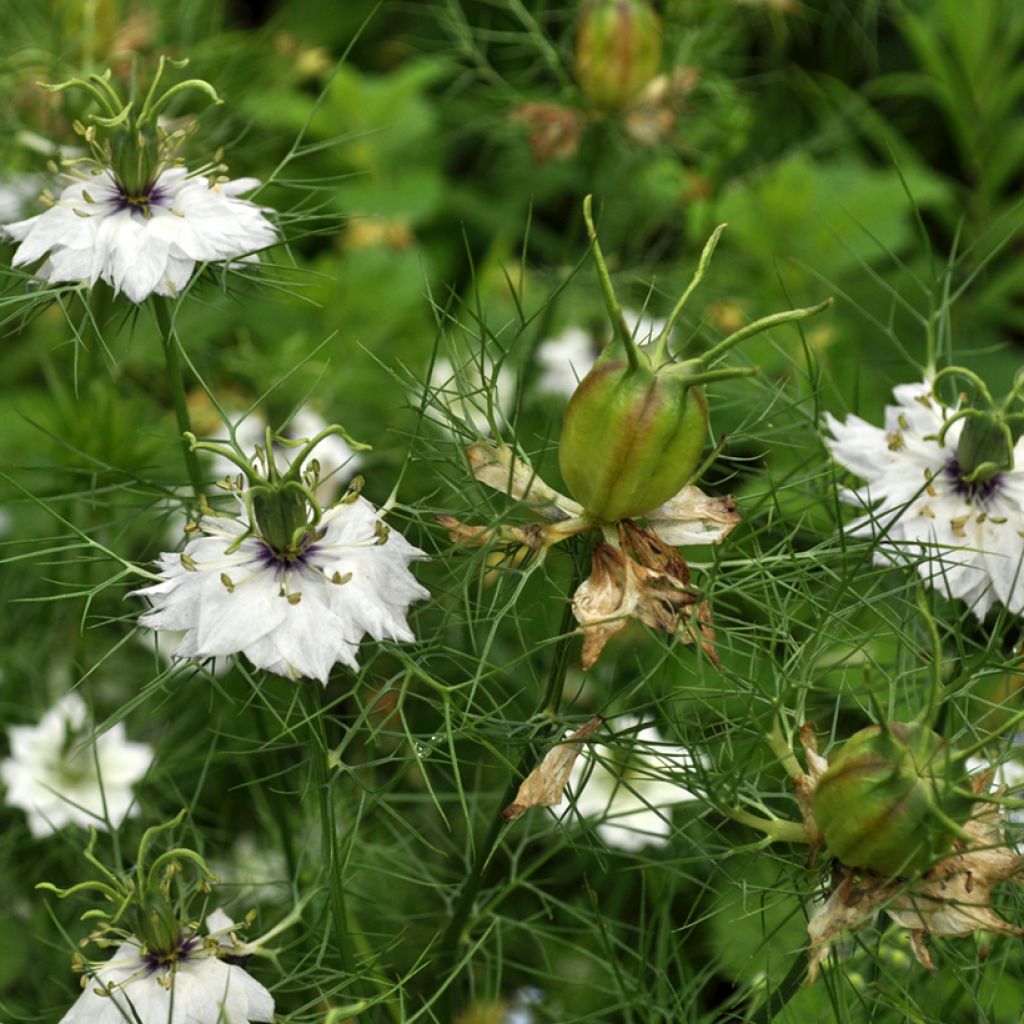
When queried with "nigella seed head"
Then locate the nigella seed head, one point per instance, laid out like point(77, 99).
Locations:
point(977, 490)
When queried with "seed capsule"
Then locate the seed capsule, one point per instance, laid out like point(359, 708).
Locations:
point(631, 438)
point(888, 803)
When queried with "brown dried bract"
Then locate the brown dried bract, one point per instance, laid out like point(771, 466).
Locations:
point(554, 131)
point(499, 467)
point(545, 785)
point(693, 517)
point(646, 579)
point(654, 113)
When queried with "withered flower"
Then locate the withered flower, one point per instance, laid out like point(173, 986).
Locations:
point(636, 571)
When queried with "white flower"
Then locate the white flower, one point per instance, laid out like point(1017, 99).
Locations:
point(966, 539)
point(61, 775)
point(568, 357)
point(195, 988)
point(230, 592)
point(630, 802)
point(337, 460)
point(142, 245)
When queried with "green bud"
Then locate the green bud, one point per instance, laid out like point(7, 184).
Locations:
point(618, 50)
point(137, 162)
point(631, 438)
point(888, 803)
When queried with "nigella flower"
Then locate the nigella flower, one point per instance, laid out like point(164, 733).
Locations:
point(60, 774)
point(292, 587)
point(131, 214)
point(629, 798)
point(941, 490)
point(142, 241)
point(186, 984)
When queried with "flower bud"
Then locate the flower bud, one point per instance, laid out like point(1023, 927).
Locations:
point(618, 50)
point(888, 802)
point(631, 438)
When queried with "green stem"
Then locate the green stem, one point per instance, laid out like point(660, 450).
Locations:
point(776, 829)
point(328, 831)
point(779, 997)
point(452, 935)
point(172, 358)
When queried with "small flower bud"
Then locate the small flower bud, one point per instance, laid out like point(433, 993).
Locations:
point(888, 802)
point(618, 50)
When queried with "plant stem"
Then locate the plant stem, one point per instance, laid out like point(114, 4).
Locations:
point(548, 706)
point(172, 358)
point(328, 832)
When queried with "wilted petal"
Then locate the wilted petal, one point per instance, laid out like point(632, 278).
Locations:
point(693, 517)
point(545, 785)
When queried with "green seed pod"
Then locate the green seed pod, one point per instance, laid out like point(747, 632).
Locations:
point(887, 802)
point(618, 50)
point(635, 428)
point(631, 438)
point(282, 515)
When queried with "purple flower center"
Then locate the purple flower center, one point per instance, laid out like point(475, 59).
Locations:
point(139, 201)
point(978, 490)
point(155, 961)
point(270, 558)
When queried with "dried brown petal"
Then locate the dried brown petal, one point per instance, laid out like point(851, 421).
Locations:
point(499, 467)
point(651, 583)
point(545, 785)
point(554, 131)
point(693, 517)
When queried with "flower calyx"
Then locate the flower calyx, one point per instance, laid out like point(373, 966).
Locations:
point(990, 430)
point(634, 430)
